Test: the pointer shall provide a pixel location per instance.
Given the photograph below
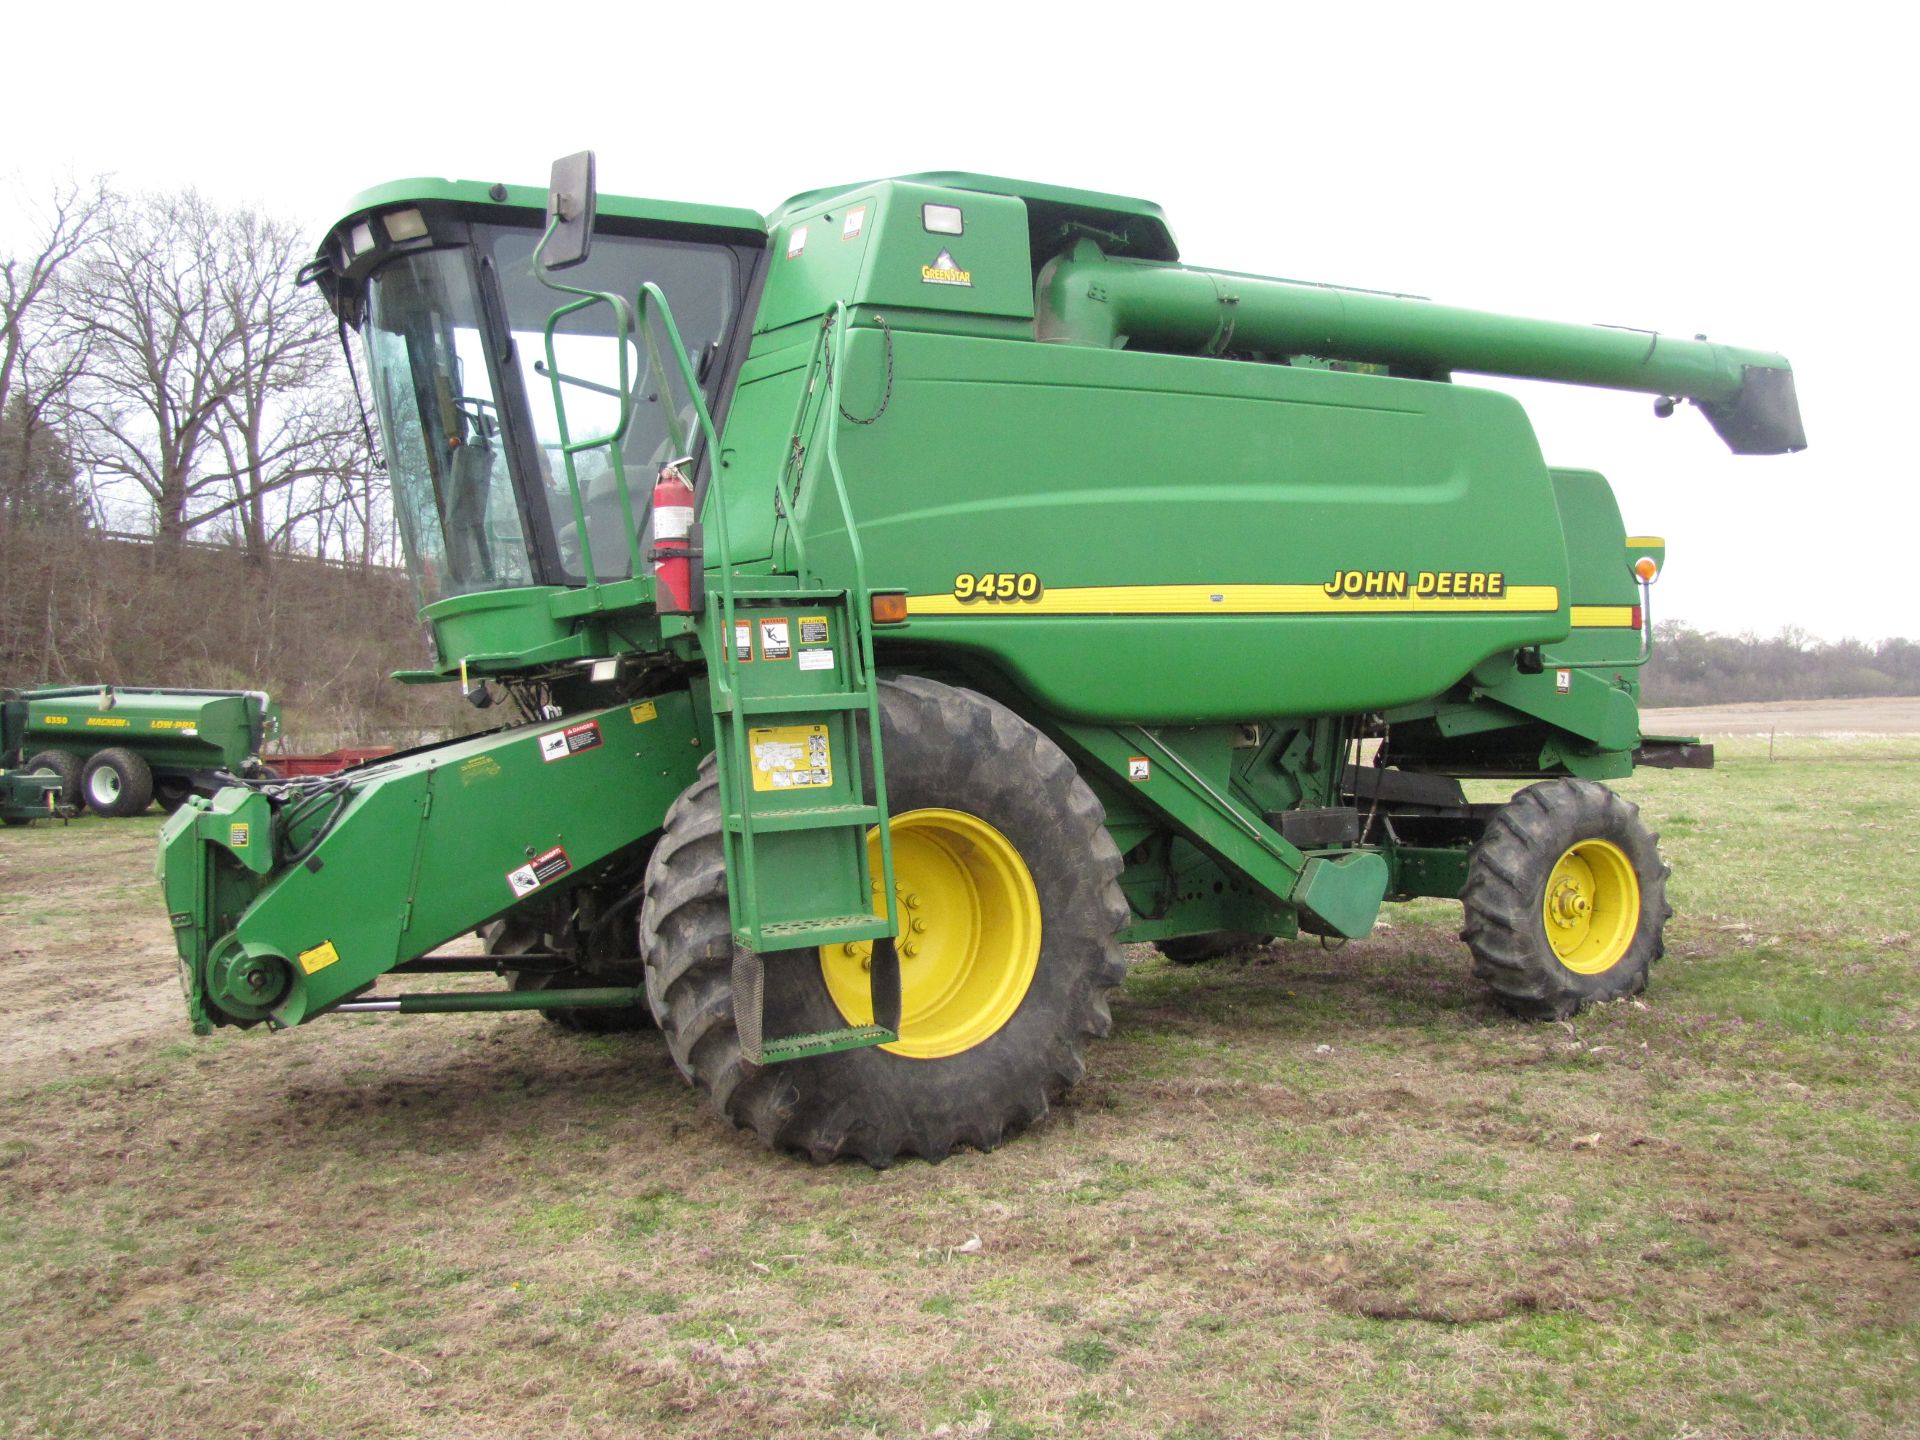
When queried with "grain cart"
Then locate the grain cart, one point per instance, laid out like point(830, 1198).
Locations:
point(904, 600)
point(118, 748)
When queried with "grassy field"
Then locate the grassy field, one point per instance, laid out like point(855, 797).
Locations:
point(1302, 1192)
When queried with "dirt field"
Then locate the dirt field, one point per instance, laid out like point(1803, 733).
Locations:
point(1899, 715)
point(1301, 1192)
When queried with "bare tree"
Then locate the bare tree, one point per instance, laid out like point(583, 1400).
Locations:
point(39, 356)
point(164, 353)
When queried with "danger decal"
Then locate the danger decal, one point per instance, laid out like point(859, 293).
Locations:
point(559, 744)
point(550, 865)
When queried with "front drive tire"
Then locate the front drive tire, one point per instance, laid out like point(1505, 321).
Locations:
point(979, 799)
point(1565, 900)
point(117, 783)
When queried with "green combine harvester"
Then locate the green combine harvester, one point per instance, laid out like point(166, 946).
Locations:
point(118, 748)
point(908, 599)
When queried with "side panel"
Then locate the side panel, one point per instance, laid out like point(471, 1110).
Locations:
point(433, 845)
point(1186, 524)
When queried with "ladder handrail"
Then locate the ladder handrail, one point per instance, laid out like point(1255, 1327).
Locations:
point(860, 612)
point(716, 500)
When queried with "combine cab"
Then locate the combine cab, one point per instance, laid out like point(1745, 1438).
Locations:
point(905, 600)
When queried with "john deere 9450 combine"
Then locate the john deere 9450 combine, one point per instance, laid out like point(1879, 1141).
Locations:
point(907, 599)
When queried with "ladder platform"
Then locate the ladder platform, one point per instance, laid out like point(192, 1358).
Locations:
point(812, 817)
point(824, 1042)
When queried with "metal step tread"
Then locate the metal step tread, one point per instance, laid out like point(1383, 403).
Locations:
point(811, 817)
point(825, 1042)
point(827, 930)
point(794, 704)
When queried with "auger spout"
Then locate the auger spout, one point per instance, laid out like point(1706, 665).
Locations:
point(1088, 298)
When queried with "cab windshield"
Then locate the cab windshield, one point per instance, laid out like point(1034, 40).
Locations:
point(456, 349)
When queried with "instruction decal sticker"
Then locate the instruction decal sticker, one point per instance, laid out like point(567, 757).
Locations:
point(549, 865)
point(790, 757)
point(643, 712)
point(945, 270)
point(816, 659)
point(775, 639)
point(480, 767)
point(570, 741)
point(238, 836)
point(319, 957)
point(813, 630)
point(742, 641)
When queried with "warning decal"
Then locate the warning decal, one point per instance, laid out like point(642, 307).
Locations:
point(238, 836)
point(643, 712)
point(538, 871)
point(318, 958)
point(1139, 768)
point(790, 757)
point(813, 629)
point(570, 741)
point(1563, 681)
point(775, 641)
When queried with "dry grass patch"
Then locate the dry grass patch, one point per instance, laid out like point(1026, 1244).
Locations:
point(1302, 1192)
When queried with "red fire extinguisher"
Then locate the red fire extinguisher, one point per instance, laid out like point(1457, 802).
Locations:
point(674, 543)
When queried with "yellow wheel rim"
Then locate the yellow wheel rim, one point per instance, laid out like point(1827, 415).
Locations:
point(969, 934)
point(1592, 907)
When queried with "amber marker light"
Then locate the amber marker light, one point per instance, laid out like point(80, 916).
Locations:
point(889, 607)
point(1646, 567)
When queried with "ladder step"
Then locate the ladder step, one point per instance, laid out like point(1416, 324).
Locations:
point(812, 817)
point(797, 704)
point(828, 930)
point(824, 1042)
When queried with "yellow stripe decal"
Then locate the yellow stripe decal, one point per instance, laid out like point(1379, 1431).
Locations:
point(1646, 542)
point(1603, 617)
point(1238, 600)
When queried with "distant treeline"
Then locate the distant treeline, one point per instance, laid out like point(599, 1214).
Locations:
point(1700, 667)
point(80, 607)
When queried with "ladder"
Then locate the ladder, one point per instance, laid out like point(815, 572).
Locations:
point(796, 705)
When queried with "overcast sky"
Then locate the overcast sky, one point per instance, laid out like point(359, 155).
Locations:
point(1742, 171)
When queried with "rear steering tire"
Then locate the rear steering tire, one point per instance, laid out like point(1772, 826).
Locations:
point(1007, 850)
point(1565, 900)
point(117, 783)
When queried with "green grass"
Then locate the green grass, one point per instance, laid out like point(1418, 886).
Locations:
point(1693, 1214)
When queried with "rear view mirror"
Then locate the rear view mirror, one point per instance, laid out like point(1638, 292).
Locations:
point(571, 200)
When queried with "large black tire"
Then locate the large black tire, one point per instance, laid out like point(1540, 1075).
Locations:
point(1193, 949)
point(946, 750)
point(1510, 910)
point(117, 783)
point(68, 768)
point(503, 938)
point(171, 791)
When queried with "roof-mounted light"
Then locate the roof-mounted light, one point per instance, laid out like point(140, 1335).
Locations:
point(402, 225)
point(943, 219)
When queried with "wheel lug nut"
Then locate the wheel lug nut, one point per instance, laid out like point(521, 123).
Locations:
point(919, 925)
